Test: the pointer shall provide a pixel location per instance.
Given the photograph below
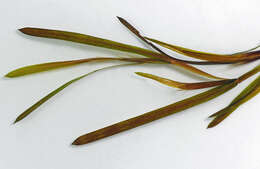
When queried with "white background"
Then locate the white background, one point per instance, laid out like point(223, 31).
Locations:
point(180, 141)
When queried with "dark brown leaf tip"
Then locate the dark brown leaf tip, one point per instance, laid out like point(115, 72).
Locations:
point(25, 30)
point(32, 31)
point(211, 125)
point(75, 143)
point(118, 17)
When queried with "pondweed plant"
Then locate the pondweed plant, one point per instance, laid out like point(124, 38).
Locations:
point(157, 56)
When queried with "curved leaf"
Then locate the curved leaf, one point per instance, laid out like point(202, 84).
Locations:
point(94, 41)
point(249, 92)
point(161, 112)
point(182, 85)
point(230, 58)
point(56, 65)
point(163, 54)
point(54, 92)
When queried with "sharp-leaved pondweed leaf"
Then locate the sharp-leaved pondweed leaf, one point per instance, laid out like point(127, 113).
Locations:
point(249, 92)
point(182, 85)
point(59, 89)
point(221, 85)
point(56, 65)
point(95, 41)
point(153, 115)
point(163, 54)
point(248, 55)
point(162, 112)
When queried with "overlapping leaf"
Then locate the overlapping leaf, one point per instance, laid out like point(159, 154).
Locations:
point(182, 85)
point(229, 58)
point(163, 54)
point(94, 41)
point(159, 56)
point(249, 92)
point(56, 65)
point(162, 112)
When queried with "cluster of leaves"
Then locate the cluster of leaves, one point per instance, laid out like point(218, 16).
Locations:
point(157, 56)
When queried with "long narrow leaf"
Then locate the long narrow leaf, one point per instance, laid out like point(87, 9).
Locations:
point(182, 85)
point(230, 58)
point(249, 89)
point(249, 92)
point(153, 115)
point(94, 41)
point(163, 54)
point(54, 92)
point(137, 33)
point(246, 91)
point(249, 74)
point(87, 39)
point(162, 112)
point(195, 70)
point(56, 65)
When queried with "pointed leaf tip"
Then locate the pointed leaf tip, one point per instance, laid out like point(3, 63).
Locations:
point(210, 126)
point(9, 75)
point(118, 17)
point(37, 68)
point(75, 142)
point(24, 30)
point(249, 92)
point(154, 115)
point(15, 121)
point(54, 92)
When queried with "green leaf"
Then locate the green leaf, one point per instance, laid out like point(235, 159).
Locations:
point(94, 41)
point(56, 65)
point(249, 74)
point(54, 92)
point(249, 92)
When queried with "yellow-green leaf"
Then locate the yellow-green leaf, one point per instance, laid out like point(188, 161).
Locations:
point(56, 65)
point(182, 85)
point(54, 92)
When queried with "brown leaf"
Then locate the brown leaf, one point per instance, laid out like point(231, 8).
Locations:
point(182, 85)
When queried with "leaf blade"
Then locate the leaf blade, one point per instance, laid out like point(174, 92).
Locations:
point(95, 41)
point(164, 55)
point(37, 68)
point(182, 85)
point(88, 40)
point(153, 115)
point(59, 89)
point(229, 58)
point(162, 112)
point(248, 93)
